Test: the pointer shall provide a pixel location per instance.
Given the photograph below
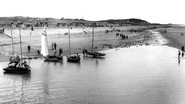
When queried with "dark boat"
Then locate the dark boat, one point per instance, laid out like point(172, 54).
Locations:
point(73, 58)
point(19, 66)
point(53, 58)
point(94, 54)
point(18, 70)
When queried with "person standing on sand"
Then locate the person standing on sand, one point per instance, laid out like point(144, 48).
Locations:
point(38, 52)
point(182, 48)
point(60, 51)
point(179, 53)
point(83, 52)
point(29, 48)
point(55, 46)
point(182, 54)
point(52, 45)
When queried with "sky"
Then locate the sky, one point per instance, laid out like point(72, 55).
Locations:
point(155, 11)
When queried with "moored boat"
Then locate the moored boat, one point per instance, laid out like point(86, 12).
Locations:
point(17, 65)
point(92, 53)
point(53, 58)
point(19, 70)
point(72, 58)
point(75, 58)
point(44, 50)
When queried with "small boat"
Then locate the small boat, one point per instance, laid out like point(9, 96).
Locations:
point(94, 54)
point(44, 50)
point(72, 58)
point(18, 67)
point(53, 58)
point(19, 70)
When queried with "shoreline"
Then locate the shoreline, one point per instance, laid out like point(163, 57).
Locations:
point(103, 41)
point(174, 37)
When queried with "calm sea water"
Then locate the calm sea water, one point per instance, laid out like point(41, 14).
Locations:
point(136, 75)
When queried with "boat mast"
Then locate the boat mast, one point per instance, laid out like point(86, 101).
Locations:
point(69, 41)
point(12, 39)
point(45, 33)
point(20, 41)
point(93, 38)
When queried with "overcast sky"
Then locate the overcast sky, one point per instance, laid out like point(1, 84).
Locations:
point(156, 11)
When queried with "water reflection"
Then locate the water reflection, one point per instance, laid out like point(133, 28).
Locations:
point(25, 77)
point(132, 76)
point(96, 62)
point(179, 60)
point(13, 90)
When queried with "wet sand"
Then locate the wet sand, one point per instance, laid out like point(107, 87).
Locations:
point(80, 38)
point(174, 37)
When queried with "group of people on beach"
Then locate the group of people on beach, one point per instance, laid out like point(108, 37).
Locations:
point(122, 35)
point(54, 46)
point(84, 52)
point(182, 34)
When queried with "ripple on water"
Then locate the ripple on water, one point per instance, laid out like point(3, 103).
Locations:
point(143, 75)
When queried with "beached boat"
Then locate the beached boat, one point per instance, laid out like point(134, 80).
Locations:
point(53, 58)
point(19, 66)
point(44, 49)
point(92, 53)
point(72, 58)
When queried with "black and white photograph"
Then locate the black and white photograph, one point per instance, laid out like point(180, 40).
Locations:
point(92, 52)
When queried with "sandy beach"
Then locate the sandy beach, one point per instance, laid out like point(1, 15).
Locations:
point(82, 38)
point(174, 35)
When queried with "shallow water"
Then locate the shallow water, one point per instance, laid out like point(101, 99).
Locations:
point(136, 75)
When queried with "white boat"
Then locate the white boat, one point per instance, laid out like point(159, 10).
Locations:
point(44, 49)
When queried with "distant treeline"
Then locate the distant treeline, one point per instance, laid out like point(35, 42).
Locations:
point(52, 22)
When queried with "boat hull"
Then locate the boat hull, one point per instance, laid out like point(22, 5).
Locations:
point(73, 59)
point(53, 59)
point(17, 70)
point(95, 54)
